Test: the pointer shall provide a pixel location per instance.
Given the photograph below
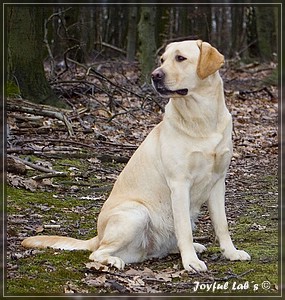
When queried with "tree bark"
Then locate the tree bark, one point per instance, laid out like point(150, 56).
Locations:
point(132, 33)
point(265, 31)
point(26, 53)
point(147, 41)
point(87, 33)
point(237, 30)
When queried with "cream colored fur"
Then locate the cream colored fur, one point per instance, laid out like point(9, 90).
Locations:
point(181, 165)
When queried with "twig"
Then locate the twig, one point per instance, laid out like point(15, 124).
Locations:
point(128, 146)
point(101, 76)
point(230, 276)
point(58, 141)
point(50, 175)
point(51, 226)
point(112, 47)
point(196, 271)
point(244, 273)
point(86, 82)
point(123, 113)
point(52, 61)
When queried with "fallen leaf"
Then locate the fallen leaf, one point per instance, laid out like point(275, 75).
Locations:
point(94, 265)
point(40, 229)
point(98, 281)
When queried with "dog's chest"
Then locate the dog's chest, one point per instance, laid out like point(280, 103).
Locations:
point(205, 168)
point(214, 161)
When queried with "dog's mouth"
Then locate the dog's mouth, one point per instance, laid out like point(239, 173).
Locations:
point(163, 91)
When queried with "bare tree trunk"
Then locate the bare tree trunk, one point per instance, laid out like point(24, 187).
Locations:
point(265, 31)
point(183, 21)
point(251, 33)
point(87, 32)
point(25, 57)
point(147, 41)
point(163, 26)
point(204, 23)
point(132, 33)
point(237, 30)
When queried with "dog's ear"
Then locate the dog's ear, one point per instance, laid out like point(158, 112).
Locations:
point(210, 60)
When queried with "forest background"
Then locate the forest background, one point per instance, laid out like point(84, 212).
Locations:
point(62, 34)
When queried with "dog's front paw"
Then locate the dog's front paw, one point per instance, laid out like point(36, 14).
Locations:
point(195, 265)
point(237, 255)
point(117, 262)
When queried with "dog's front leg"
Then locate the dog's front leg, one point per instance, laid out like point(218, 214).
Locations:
point(180, 197)
point(216, 205)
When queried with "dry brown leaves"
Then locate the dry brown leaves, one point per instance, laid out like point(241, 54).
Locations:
point(131, 280)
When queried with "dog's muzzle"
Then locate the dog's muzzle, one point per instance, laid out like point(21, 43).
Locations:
point(158, 78)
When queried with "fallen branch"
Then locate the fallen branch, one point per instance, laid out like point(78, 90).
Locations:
point(20, 105)
point(50, 175)
point(34, 166)
point(126, 146)
point(61, 141)
point(20, 150)
point(258, 91)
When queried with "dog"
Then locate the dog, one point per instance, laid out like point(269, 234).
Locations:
point(180, 165)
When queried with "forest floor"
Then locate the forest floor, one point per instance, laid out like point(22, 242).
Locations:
point(111, 116)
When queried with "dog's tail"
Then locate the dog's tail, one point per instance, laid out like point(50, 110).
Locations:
point(60, 242)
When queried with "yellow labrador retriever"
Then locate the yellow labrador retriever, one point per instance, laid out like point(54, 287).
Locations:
point(181, 164)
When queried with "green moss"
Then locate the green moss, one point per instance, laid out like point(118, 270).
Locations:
point(12, 90)
point(67, 211)
point(49, 272)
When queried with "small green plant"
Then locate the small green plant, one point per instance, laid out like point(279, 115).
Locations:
point(12, 89)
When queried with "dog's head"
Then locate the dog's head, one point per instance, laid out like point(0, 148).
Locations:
point(184, 65)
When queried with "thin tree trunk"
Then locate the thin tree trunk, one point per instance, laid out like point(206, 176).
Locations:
point(265, 31)
point(132, 33)
point(147, 41)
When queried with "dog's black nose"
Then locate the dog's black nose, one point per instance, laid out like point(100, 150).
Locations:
point(157, 75)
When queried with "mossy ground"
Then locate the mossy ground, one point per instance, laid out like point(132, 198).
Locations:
point(255, 230)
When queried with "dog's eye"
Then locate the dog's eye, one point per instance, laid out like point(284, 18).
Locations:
point(180, 58)
point(161, 60)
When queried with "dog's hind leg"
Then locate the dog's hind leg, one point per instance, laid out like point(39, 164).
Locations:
point(124, 239)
